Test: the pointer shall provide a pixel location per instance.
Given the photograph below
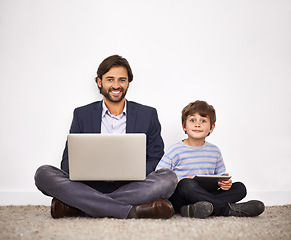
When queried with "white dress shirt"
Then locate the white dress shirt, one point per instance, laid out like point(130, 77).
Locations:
point(111, 123)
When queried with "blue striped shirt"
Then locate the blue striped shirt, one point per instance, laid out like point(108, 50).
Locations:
point(188, 161)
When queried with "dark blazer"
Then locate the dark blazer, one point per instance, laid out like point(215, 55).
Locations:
point(140, 119)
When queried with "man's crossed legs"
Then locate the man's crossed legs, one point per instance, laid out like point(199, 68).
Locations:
point(138, 199)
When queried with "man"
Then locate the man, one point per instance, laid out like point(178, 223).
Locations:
point(120, 199)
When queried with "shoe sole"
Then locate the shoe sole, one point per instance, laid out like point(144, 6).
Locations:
point(197, 210)
point(164, 209)
point(57, 209)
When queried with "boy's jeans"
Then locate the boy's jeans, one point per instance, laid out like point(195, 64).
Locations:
point(188, 191)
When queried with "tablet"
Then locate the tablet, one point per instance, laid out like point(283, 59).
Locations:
point(210, 182)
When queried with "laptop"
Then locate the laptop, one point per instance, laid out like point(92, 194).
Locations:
point(107, 157)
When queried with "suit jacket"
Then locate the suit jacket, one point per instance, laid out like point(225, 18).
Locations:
point(139, 119)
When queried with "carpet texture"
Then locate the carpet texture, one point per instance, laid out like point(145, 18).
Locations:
point(35, 222)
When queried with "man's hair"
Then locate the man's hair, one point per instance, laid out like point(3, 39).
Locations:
point(201, 107)
point(113, 61)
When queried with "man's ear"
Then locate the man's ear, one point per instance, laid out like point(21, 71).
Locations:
point(99, 82)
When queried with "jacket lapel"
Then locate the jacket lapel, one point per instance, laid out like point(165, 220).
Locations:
point(96, 116)
point(130, 118)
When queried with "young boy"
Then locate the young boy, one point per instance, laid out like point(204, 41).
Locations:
point(194, 156)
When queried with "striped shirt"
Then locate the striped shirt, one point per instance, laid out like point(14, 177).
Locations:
point(188, 161)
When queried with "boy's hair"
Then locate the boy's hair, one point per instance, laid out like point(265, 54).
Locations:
point(201, 107)
point(113, 61)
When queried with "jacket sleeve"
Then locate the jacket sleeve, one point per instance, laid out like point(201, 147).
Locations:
point(74, 129)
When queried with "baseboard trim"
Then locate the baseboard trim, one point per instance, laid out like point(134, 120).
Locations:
point(24, 198)
point(270, 198)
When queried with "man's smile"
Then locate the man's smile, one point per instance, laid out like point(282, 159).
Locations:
point(116, 93)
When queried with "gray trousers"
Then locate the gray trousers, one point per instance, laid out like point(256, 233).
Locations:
point(55, 183)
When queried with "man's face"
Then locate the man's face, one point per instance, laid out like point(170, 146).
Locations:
point(114, 84)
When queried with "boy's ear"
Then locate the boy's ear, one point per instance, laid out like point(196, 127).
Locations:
point(212, 128)
point(184, 129)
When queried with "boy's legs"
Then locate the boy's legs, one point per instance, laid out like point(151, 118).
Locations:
point(188, 191)
point(55, 182)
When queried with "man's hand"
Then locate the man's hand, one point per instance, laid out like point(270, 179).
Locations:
point(225, 184)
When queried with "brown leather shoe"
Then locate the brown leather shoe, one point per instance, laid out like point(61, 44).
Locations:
point(60, 210)
point(159, 208)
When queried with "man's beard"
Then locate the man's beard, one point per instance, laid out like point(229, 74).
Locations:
point(107, 94)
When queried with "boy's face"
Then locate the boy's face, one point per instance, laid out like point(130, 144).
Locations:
point(198, 127)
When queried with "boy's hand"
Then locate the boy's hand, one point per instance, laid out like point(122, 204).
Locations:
point(184, 178)
point(225, 184)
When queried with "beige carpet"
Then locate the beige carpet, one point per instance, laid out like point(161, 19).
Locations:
point(35, 222)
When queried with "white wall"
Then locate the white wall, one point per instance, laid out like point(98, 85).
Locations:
point(234, 54)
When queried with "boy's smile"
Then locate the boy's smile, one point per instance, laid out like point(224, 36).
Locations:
point(197, 129)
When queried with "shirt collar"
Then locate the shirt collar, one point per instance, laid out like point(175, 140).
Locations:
point(105, 109)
